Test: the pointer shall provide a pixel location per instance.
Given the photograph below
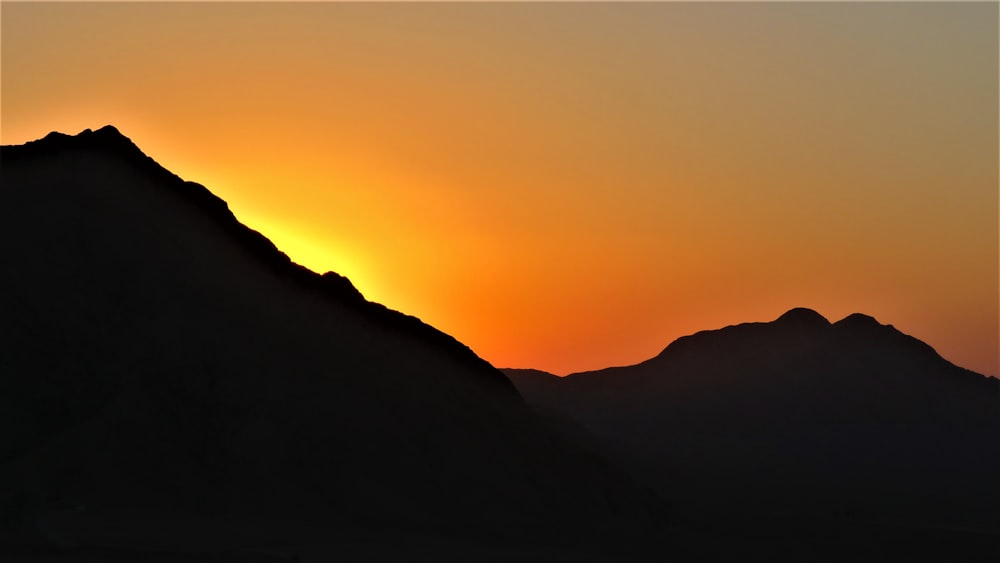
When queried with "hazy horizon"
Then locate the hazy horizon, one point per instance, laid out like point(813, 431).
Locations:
point(568, 187)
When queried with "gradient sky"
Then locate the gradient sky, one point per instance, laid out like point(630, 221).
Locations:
point(568, 186)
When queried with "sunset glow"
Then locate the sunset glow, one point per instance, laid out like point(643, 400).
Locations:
point(568, 186)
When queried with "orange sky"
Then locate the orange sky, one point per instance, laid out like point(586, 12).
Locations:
point(568, 186)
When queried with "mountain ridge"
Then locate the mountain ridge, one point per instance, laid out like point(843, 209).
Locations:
point(797, 318)
point(108, 139)
point(798, 415)
point(160, 362)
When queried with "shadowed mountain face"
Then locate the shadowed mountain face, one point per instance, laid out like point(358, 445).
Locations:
point(796, 416)
point(158, 359)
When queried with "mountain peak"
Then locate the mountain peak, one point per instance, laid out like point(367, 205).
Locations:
point(109, 130)
point(107, 138)
point(108, 133)
point(802, 316)
point(858, 320)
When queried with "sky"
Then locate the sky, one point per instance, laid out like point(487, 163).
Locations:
point(568, 186)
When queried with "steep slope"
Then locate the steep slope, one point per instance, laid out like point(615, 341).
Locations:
point(158, 359)
point(797, 416)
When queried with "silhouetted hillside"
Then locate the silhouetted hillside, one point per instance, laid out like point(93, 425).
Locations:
point(797, 416)
point(159, 362)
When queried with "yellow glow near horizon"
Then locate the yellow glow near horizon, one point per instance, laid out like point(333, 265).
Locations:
point(568, 186)
point(313, 251)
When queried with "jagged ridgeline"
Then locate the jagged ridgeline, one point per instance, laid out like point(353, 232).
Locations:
point(158, 358)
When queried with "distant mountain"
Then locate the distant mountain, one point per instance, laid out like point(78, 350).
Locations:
point(159, 361)
point(796, 416)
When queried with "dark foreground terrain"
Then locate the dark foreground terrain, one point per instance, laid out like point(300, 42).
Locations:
point(173, 388)
point(766, 540)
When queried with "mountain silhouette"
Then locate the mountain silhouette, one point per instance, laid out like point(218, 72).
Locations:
point(798, 416)
point(161, 362)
